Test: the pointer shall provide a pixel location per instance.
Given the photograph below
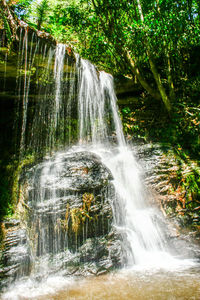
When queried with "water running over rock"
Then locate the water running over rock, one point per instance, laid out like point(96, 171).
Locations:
point(86, 208)
point(138, 223)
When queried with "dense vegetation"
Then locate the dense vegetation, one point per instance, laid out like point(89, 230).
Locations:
point(154, 43)
point(149, 40)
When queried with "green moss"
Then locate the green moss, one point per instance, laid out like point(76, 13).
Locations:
point(6, 27)
point(15, 188)
point(9, 186)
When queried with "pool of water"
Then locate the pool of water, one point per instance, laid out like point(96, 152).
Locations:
point(125, 284)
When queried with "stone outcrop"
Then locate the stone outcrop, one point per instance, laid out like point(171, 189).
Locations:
point(16, 256)
point(67, 220)
point(167, 175)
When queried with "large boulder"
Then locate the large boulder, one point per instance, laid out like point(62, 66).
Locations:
point(68, 217)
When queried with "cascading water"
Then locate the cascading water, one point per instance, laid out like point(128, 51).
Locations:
point(45, 92)
point(63, 189)
point(58, 75)
point(98, 116)
point(138, 223)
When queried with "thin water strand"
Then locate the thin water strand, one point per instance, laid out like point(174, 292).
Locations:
point(91, 105)
point(58, 75)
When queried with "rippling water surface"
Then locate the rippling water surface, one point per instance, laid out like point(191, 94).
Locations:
point(126, 284)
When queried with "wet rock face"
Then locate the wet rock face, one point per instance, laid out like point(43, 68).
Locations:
point(159, 164)
point(16, 256)
point(69, 216)
point(163, 173)
point(168, 175)
point(81, 171)
point(69, 200)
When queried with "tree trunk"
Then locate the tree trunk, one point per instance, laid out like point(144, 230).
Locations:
point(169, 76)
point(168, 60)
point(153, 67)
point(140, 78)
point(160, 86)
point(128, 59)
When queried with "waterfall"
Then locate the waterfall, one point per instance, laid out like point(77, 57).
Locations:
point(45, 93)
point(138, 223)
point(98, 115)
point(89, 196)
point(58, 75)
point(100, 132)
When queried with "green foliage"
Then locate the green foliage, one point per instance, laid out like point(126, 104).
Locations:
point(185, 189)
point(6, 26)
point(22, 9)
point(149, 40)
point(102, 30)
point(148, 121)
point(9, 184)
point(6, 208)
point(41, 9)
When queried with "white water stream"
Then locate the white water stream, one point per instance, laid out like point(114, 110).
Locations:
point(145, 241)
point(58, 75)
